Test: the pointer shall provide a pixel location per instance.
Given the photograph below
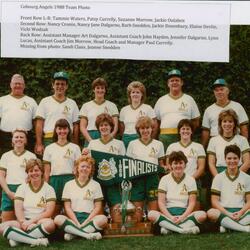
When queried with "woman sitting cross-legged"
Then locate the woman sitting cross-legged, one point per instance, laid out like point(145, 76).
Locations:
point(34, 206)
point(82, 203)
point(177, 198)
point(231, 195)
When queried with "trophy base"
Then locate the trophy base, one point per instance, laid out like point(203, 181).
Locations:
point(135, 229)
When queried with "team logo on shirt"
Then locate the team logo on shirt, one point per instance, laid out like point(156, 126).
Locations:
point(240, 189)
point(113, 150)
point(68, 153)
point(88, 195)
point(25, 106)
point(141, 113)
point(66, 110)
point(183, 107)
point(23, 164)
point(42, 202)
point(106, 110)
point(184, 190)
point(153, 152)
point(192, 153)
point(106, 169)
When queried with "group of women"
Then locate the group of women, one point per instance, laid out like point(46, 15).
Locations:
point(60, 192)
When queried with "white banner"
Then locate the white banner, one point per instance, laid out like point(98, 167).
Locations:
point(121, 30)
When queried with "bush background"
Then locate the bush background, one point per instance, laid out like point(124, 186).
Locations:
point(198, 77)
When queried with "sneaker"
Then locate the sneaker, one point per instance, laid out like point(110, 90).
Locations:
point(248, 229)
point(164, 231)
point(191, 230)
point(13, 243)
point(68, 237)
point(223, 229)
point(41, 242)
point(95, 236)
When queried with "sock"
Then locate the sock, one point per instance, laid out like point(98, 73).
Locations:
point(245, 219)
point(164, 222)
point(16, 234)
point(190, 221)
point(227, 222)
point(38, 232)
point(71, 228)
point(90, 227)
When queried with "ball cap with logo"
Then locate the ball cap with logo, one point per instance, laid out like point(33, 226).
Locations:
point(61, 75)
point(220, 82)
point(173, 73)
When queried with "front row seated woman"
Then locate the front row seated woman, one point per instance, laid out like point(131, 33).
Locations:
point(231, 194)
point(82, 203)
point(177, 193)
point(34, 204)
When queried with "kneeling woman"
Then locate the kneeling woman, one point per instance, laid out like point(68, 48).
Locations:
point(34, 206)
point(231, 195)
point(83, 204)
point(176, 198)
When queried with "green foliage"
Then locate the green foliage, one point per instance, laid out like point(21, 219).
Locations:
point(119, 73)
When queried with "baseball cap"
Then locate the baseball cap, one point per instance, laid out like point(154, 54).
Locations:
point(174, 72)
point(61, 75)
point(220, 82)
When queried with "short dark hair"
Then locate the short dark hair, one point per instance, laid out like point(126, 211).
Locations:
point(232, 149)
point(177, 156)
point(99, 82)
point(185, 122)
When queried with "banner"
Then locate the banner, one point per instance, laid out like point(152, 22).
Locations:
point(149, 30)
point(111, 169)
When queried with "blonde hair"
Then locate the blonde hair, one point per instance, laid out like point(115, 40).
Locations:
point(85, 158)
point(143, 121)
point(136, 85)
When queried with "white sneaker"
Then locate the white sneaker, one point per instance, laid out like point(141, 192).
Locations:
point(69, 237)
point(13, 243)
point(41, 242)
point(248, 229)
point(223, 229)
point(95, 236)
point(191, 230)
point(164, 231)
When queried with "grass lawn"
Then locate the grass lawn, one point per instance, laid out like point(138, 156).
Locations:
point(203, 241)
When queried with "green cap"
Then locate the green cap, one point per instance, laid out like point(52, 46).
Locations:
point(174, 72)
point(61, 75)
point(220, 82)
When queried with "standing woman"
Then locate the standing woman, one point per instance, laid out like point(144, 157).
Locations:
point(108, 144)
point(92, 109)
point(177, 199)
point(147, 149)
point(12, 172)
point(34, 206)
point(194, 151)
point(83, 204)
point(129, 114)
point(228, 128)
point(59, 159)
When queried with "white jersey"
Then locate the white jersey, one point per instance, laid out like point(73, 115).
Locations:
point(218, 143)
point(177, 192)
point(61, 158)
point(150, 152)
point(129, 116)
point(52, 110)
point(15, 165)
point(34, 201)
point(82, 198)
point(17, 113)
point(193, 151)
point(90, 110)
point(232, 191)
point(170, 111)
point(114, 146)
point(211, 115)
